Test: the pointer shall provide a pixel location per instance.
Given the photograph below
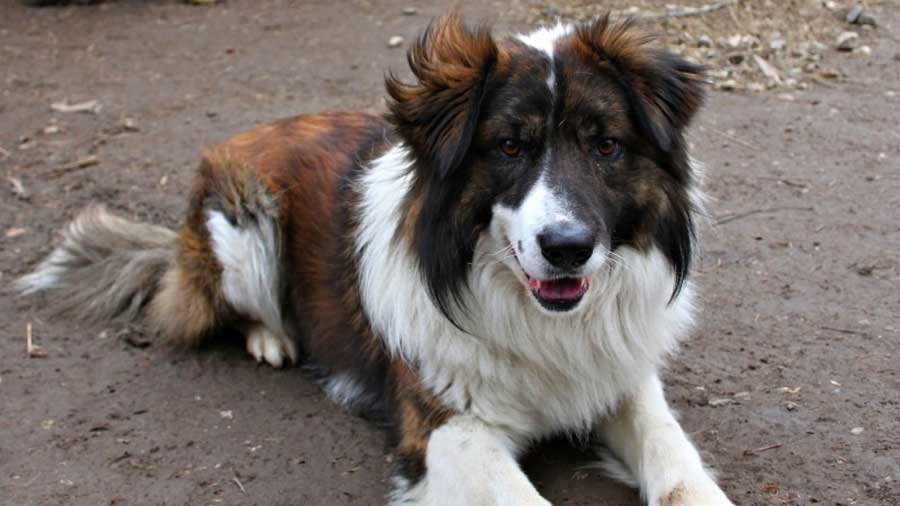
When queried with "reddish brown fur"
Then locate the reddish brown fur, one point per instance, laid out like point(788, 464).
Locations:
point(296, 171)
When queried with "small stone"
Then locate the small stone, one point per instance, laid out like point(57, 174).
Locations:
point(790, 406)
point(704, 41)
point(130, 125)
point(787, 97)
point(809, 68)
point(51, 130)
point(736, 58)
point(864, 50)
point(727, 85)
point(829, 73)
point(395, 41)
point(757, 87)
point(831, 5)
point(857, 431)
point(816, 48)
point(767, 68)
point(750, 41)
point(854, 13)
point(867, 20)
point(410, 11)
point(847, 41)
point(715, 403)
point(734, 41)
point(777, 42)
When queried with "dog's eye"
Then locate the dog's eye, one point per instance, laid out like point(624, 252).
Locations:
point(608, 149)
point(510, 148)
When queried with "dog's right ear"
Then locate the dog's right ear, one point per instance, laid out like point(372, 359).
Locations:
point(437, 115)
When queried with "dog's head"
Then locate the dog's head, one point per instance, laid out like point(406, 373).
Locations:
point(558, 147)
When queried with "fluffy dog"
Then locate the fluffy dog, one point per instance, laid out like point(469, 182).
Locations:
point(502, 257)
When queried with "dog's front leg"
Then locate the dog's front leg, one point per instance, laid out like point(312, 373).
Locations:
point(644, 434)
point(469, 463)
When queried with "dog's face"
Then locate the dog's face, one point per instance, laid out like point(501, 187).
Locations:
point(556, 149)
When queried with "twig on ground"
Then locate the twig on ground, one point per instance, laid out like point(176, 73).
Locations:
point(748, 453)
point(739, 216)
point(31, 349)
point(18, 188)
point(785, 182)
point(843, 331)
point(746, 144)
point(679, 12)
point(239, 484)
point(819, 80)
point(77, 164)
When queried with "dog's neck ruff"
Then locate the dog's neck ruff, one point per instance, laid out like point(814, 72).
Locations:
point(516, 366)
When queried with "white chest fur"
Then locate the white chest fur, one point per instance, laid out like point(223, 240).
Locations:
point(515, 367)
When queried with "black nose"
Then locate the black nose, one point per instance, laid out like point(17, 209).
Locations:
point(567, 246)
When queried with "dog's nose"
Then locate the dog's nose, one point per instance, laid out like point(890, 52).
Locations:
point(567, 246)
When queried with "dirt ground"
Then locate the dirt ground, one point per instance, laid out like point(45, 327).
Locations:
point(790, 385)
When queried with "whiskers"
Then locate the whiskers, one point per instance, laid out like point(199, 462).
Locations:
point(495, 257)
point(617, 261)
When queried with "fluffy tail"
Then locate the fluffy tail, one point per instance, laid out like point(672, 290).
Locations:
point(107, 268)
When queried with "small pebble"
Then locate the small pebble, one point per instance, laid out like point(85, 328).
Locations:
point(864, 50)
point(777, 42)
point(704, 41)
point(410, 11)
point(867, 20)
point(130, 125)
point(857, 431)
point(395, 41)
point(847, 41)
point(790, 406)
point(854, 13)
point(727, 85)
point(756, 87)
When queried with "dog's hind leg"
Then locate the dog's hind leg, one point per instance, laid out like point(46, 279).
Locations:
point(242, 219)
point(230, 261)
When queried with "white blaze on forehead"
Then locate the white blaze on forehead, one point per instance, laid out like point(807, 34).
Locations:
point(544, 40)
point(541, 208)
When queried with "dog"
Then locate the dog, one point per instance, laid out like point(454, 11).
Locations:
point(503, 256)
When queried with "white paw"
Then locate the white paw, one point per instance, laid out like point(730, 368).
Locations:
point(272, 347)
point(702, 494)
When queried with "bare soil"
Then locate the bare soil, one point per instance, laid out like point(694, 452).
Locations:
point(790, 385)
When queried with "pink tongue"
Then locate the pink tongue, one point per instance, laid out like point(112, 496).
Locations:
point(561, 289)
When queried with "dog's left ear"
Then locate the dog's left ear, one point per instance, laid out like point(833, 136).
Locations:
point(437, 115)
point(664, 89)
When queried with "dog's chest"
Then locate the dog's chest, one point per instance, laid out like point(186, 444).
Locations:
point(564, 384)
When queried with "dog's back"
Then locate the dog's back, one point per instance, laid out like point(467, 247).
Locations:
point(254, 193)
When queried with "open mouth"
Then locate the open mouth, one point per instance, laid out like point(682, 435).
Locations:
point(560, 294)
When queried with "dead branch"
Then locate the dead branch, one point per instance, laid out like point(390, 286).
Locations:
point(680, 12)
point(739, 216)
